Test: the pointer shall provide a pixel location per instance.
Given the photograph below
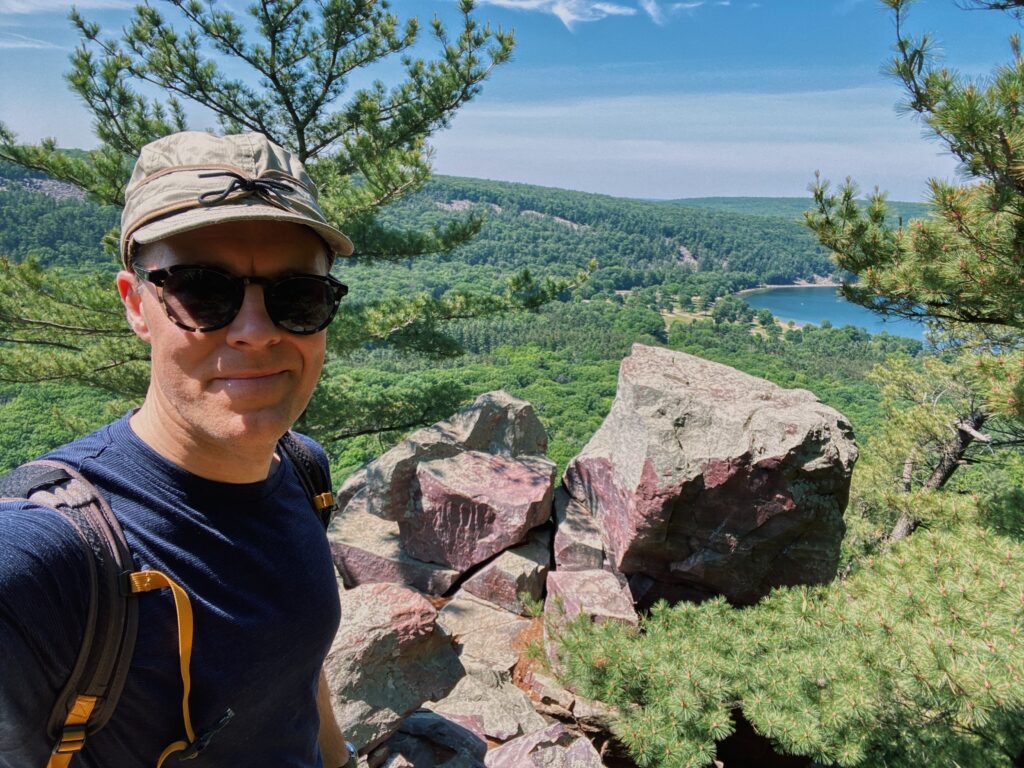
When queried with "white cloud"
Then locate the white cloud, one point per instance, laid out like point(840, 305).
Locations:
point(692, 144)
point(11, 40)
point(653, 10)
point(687, 6)
point(61, 6)
point(569, 12)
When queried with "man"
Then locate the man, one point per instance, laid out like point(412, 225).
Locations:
point(226, 257)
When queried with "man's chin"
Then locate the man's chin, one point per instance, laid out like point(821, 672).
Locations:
point(255, 427)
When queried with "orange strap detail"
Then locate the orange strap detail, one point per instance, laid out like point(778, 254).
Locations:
point(146, 581)
point(323, 501)
point(73, 734)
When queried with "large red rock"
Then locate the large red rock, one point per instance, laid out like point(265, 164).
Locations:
point(554, 747)
point(388, 658)
point(707, 479)
point(468, 508)
point(368, 549)
point(514, 573)
point(495, 423)
point(596, 594)
point(578, 545)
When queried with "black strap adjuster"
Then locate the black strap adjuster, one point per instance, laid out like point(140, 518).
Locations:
point(202, 740)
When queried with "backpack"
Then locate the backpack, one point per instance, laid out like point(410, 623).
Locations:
point(89, 697)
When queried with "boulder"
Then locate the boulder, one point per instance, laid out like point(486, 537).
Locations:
point(553, 747)
point(471, 506)
point(485, 633)
point(516, 571)
point(428, 740)
point(368, 549)
point(388, 657)
point(487, 701)
point(578, 545)
point(495, 423)
point(596, 594)
point(705, 477)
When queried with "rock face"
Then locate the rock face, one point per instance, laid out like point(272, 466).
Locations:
point(597, 594)
point(487, 635)
point(473, 505)
point(517, 571)
point(496, 423)
point(705, 478)
point(553, 747)
point(446, 499)
point(388, 657)
point(426, 739)
point(578, 545)
point(367, 550)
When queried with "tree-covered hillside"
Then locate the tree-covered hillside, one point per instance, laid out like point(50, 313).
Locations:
point(635, 243)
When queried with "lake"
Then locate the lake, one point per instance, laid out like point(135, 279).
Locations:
point(812, 304)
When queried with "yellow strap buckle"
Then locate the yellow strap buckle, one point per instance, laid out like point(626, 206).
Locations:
point(72, 739)
point(323, 501)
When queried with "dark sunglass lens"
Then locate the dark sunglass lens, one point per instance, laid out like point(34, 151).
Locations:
point(202, 299)
point(301, 304)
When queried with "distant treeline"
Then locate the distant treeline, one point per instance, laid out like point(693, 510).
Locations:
point(684, 251)
point(790, 208)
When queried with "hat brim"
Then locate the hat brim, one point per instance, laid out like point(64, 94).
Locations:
point(197, 218)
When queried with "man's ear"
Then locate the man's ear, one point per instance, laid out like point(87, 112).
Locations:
point(128, 287)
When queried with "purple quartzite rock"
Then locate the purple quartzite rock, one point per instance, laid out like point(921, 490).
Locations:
point(595, 593)
point(488, 701)
point(429, 740)
point(495, 423)
point(516, 571)
point(554, 747)
point(367, 549)
point(704, 476)
point(578, 545)
point(487, 635)
point(470, 507)
point(388, 657)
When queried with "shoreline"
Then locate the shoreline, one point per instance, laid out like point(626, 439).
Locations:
point(790, 285)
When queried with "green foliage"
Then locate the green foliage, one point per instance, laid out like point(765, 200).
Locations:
point(39, 418)
point(918, 655)
point(52, 229)
point(364, 151)
point(732, 309)
point(962, 264)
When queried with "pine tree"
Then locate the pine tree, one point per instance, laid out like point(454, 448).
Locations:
point(913, 657)
point(364, 148)
point(963, 264)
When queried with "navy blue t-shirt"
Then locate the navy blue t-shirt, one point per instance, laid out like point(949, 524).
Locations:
point(256, 565)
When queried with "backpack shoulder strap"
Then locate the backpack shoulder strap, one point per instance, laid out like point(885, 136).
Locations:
point(312, 476)
point(91, 692)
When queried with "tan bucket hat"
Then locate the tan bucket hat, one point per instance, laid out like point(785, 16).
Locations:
point(192, 179)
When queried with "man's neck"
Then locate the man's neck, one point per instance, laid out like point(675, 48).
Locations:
point(234, 461)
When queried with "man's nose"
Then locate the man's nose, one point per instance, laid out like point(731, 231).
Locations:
point(252, 325)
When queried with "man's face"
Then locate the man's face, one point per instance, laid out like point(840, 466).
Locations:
point(250, 380)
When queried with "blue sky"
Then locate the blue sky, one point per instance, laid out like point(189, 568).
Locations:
point(640, 98)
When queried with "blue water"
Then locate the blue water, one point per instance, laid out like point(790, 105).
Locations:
point(817, 303)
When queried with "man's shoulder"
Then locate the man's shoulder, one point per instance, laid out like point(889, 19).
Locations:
point(90, 446)
point(40, 547)
point(316, 449)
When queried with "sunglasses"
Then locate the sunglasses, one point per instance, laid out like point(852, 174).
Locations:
point(206, 298)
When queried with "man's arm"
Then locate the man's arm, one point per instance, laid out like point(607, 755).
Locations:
point(332, 741)
point(44, 602)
